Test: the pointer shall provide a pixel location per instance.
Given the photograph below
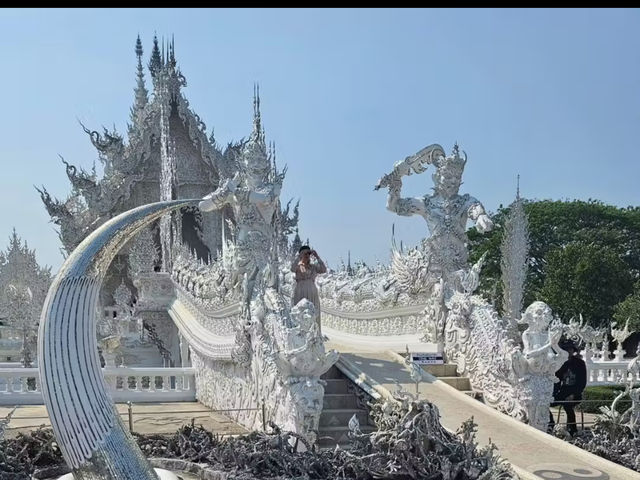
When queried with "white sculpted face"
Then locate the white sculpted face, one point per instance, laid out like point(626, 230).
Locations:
point(538, 315)
point(304, 314)
point(256, 164)
point(447, 181)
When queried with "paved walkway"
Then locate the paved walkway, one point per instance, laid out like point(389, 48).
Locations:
point(531, 450)
point(147, 418)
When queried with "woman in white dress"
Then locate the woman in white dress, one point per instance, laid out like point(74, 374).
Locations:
point(305, 273)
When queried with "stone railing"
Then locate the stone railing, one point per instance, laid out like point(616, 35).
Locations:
point(612, 372)
point(21, 386)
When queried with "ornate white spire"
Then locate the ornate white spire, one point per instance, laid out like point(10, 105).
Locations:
point(155, 63)
point(513, 263)
point(258, 131)
point(141, 93)
point(255, 150)
point(172, 53)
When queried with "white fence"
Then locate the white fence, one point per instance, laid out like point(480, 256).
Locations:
point(21, 386)
point(609, 372)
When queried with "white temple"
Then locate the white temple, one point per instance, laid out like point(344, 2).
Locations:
point(180, 255)
point(166, 155)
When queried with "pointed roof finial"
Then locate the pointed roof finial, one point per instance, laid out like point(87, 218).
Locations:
point(155, 63)
point(256, 106)
point(518, 187)
point(456, 149)
point(140, 91)
point(273, 156)
point(172, 52)
point(139, 50)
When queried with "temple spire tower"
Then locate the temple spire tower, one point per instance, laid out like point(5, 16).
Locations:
point(141, 94)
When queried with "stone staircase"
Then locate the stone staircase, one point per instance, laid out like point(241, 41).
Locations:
point(448, 374)
point(340, 404)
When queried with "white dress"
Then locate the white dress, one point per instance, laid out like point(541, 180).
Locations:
point(305, 283)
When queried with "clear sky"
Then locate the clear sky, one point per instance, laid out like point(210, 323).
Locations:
point(552, 95)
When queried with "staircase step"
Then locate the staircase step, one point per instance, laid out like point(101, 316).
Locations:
point(332, 373)
point(459, 383)
point(472, 394)
point(340, 417)
point(336, 385)
point(442, 370)
point(334, 401)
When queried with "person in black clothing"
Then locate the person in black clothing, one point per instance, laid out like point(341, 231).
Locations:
point(573, 380)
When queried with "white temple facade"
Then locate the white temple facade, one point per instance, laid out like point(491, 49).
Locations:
point(165, 155)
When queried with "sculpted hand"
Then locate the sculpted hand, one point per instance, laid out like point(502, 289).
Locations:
point(387, 180)
point(484, 223)
point(554, 336)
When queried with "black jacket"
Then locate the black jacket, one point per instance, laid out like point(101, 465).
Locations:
point(573, 374)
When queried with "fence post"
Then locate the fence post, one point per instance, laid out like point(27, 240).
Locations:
point(130, 410)
point(264, 416)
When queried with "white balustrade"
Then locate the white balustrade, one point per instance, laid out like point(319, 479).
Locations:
point(610, 372)
point(21, 386)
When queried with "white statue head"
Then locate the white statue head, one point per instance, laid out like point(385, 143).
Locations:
point(448, 175)
point(538, 315)
point(256, 163)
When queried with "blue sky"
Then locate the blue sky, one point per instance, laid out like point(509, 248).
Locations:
point(552, 95)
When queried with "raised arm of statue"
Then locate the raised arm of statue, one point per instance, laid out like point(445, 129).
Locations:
point(528, 341)
point(416, 163)
point(403, 206)
point(217, 199)
point(477, 213)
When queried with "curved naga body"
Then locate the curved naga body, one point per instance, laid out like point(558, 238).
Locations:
point(91, 435)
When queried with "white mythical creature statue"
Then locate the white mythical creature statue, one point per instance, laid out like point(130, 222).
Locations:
point(445, 211)
point(301, 359)
point(543, 357)
point(443, 255)
point(515, 378)
point(282, 353)
point(253, 194)
point(301, 351)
